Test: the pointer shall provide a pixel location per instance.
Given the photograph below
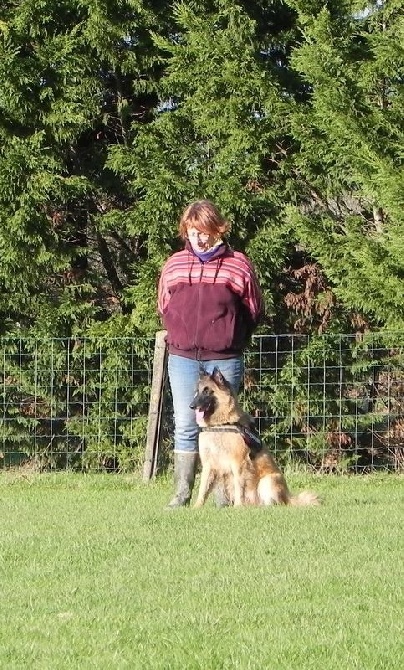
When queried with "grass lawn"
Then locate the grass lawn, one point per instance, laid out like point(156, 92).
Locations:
point(95, 573)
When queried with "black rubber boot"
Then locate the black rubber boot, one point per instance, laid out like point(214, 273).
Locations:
point(221, 499)
point(184, 477)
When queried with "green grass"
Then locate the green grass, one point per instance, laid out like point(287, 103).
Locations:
point(95, 573)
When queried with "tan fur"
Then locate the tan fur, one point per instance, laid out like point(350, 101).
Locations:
point(225, 458)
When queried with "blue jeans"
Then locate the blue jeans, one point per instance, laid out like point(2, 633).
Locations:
point(183, 374)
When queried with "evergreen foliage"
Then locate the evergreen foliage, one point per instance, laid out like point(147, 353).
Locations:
point(351, 140)
point(114, 114)
point(73, 77)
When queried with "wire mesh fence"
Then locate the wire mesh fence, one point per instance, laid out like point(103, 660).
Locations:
point(74, 403)
point(335, 402)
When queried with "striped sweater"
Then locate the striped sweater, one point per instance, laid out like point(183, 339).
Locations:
point(211, 308)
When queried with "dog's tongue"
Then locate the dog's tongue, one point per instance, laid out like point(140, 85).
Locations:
point(199, 416)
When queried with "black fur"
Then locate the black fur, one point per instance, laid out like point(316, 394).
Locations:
point(205, 401)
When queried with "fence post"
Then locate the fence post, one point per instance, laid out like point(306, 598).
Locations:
point(155, 406)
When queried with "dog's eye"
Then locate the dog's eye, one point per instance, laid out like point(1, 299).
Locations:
point(207, 390)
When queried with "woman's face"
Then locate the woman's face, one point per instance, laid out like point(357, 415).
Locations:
point(200, 241)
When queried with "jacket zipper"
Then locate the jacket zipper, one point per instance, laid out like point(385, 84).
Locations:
point(198, 309)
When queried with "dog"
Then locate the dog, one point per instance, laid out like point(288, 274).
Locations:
point(232, 453)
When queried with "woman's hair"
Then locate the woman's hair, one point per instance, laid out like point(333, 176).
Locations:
point(204, 216)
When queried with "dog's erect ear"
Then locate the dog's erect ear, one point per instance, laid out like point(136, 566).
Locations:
point(218, 377)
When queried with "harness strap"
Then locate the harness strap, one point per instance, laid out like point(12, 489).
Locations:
point(227, 428)
point(250, 436)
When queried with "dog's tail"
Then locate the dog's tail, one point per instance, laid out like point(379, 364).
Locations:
point(304, 498)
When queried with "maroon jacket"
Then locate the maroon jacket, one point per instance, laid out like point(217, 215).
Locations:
point(211, 308)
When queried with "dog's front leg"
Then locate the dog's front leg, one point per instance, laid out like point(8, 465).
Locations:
point(238, 488)
point(205, 486)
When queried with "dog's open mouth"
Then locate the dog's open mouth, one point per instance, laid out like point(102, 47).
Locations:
point(199, 416)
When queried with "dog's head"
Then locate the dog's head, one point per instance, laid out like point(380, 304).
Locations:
point(209, 394)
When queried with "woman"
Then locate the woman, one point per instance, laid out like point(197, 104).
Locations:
point(210, 303)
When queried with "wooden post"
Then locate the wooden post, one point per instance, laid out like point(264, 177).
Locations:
point(155, 406)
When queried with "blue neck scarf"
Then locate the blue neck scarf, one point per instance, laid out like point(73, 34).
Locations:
point(209, 254)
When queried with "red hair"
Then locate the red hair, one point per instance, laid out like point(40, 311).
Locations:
point(204, 216)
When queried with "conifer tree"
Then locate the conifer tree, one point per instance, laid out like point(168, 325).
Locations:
point(350, 161)
point(114, 114)
point(74, 77)
point(219, 133)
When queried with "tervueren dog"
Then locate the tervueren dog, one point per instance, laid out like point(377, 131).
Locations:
point(231, 452)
